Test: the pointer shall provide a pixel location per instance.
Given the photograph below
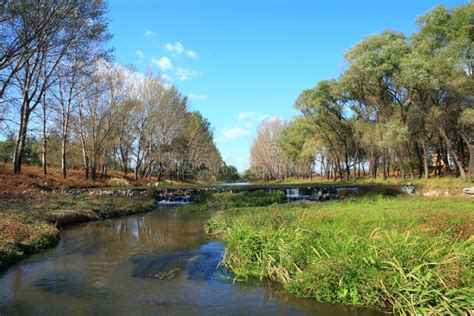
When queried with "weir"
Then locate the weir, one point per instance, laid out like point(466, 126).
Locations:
point(185, 195)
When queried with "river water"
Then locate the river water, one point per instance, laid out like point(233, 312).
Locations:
point(159, 263)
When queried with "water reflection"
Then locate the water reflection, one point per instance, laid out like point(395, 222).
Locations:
point(158, 263)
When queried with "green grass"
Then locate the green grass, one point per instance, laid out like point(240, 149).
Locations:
point(453, 184)
point(226, 200)
point(406, 255)
point(30, 225)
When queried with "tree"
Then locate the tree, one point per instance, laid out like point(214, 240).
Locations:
point(402, 105)
point(440, 71)
point(228, 173)
point(296, 143)
point(266, 157)
point(466, 122)
point(58, 27)
point(324, 107)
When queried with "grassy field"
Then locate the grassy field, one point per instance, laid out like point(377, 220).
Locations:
point(409, 255)
point(31, 225)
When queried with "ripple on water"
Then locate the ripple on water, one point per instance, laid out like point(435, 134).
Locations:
point(199, 264)
point(72, 284)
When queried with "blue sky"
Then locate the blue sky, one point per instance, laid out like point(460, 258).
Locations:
point(242, 61)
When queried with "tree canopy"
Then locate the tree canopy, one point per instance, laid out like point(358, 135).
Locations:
point(403, 106)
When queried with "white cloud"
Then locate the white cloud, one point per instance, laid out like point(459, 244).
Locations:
point(198, 97)
point(175, 48)
point(139, 54)
point(235, 132)
point(192, 54)
point(163, 63)
point(184, 73)
point(178, 48)
point(149, 33)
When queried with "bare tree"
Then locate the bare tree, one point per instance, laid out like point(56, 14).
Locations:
point(58, 27)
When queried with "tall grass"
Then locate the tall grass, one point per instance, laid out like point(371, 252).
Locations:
point(405, 255)
point(226, 200)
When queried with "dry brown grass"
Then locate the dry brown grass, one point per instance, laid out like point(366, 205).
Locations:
point(32, 181)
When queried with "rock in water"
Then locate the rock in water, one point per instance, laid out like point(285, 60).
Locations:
point(200, 264)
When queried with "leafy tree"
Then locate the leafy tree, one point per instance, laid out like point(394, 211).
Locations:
point(228, 173)
point(403, 105)
point(6, 150)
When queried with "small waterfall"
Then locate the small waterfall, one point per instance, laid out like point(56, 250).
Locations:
point(293, 193)
point(176, 200)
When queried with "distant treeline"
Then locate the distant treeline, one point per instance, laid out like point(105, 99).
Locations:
point(404, 106)
point(63, 102)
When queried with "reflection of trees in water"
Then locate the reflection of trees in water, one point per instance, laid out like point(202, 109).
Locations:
point(129, 235)
point(104, 248)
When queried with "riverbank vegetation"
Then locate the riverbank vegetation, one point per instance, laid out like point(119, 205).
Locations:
point(29, 225)
point(408, 255)
point(221, 201)
point(402, 107)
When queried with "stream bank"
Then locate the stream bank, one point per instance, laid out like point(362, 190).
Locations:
point(28, 226)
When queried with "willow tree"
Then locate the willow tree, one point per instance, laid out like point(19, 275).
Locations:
point(440, 74)
point(325, 109)
point(372, 81)
point(296, 143)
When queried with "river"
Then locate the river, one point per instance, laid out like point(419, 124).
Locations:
point(159, 263)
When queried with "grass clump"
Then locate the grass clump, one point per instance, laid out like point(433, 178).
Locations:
point(19, 238)
point(406, 255)
point(225, 200)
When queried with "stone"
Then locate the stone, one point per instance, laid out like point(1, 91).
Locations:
point(469, 191)
point(408, 189)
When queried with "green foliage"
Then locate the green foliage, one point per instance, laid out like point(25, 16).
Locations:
point(226, 200)
point(6, 150)
point(296, 141)
point(194, 208)
point(399, 106)
point(249, 176)
point(31, 156)
point(228, 173)
point(408, 256)
point(19, 238)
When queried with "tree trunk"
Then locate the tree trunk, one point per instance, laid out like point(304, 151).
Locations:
point(93, 171)
point(385, 165)
point(373, 168)
point(21, 140)
point(63, 157)
point(85, 156)
point(45, 142)
point(471, 160)
point(449, 146)
point(426, 170)
point(400, 165)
